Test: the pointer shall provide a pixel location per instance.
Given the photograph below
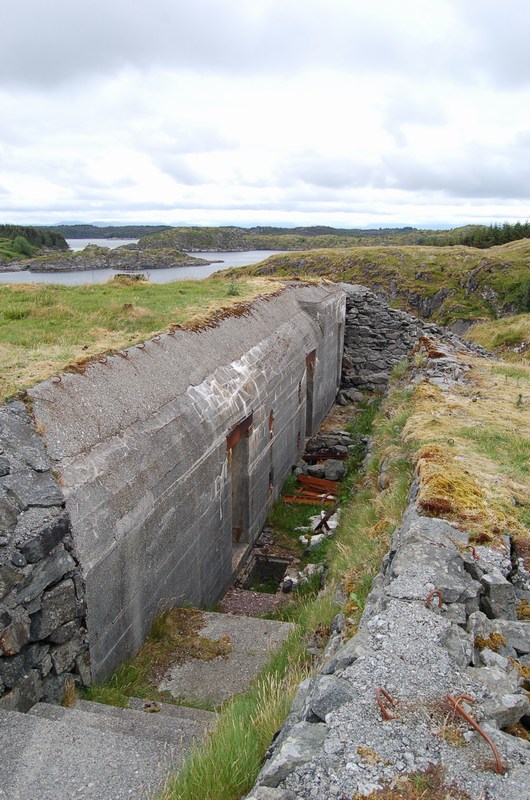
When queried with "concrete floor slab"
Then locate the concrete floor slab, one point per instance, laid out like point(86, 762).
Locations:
point(213, 682)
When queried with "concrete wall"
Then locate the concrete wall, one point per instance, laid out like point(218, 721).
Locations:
point(140, 443)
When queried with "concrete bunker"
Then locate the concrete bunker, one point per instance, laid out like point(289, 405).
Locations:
point(171, 458)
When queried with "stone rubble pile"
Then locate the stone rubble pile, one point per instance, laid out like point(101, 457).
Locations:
point(378, 337)
point(42, 608)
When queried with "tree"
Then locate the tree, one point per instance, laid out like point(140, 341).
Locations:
point(22, 246)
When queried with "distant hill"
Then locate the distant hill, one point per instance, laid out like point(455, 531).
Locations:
point(232, 238)
point(18, 241)
point(108, 232)
point(446, 284)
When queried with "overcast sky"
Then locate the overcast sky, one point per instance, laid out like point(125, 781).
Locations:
point(335, 112)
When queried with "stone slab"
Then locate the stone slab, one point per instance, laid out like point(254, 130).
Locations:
point(215, 681)
point(177, 731)
point(62, 760)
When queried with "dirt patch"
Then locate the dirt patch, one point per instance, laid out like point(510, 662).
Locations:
point(247, 603)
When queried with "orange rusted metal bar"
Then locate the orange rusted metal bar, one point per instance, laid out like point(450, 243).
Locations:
point(430, 597)
point(384, 711)
point(500, 769)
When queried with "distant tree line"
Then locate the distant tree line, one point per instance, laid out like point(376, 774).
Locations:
point(109, 231)
point(36, 237)
point(481, 236)
point(326, 230)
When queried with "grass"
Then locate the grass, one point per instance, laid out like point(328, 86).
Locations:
point(173, 637)
point(505, 336)
point(426, 785)
point(460, 282)
point(45, 329)
point(473, 450)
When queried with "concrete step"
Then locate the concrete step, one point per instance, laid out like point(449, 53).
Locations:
point(215, 681)
point(209, 718)
point(176, 731)
point(64, 759)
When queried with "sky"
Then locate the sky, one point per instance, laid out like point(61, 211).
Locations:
point(290, 112)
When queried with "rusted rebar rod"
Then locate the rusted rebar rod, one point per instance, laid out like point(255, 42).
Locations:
point(384, 711)
point(430, 597)
point(500, 769)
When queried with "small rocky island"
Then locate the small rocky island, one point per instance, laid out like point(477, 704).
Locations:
point(126, 257)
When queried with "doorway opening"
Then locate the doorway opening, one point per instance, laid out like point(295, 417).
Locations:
point(237, 446)
point(310, 376)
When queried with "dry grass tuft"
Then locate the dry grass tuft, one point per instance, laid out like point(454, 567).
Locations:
point(493, 642)
point(69, 693)
point(473, 450)
point(427, 785)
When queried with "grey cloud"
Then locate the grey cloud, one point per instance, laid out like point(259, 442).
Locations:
point(178, 169)
point(499, 36)
point(324, 172)
point(405, 107)
point(473, 174)
point(66, 40)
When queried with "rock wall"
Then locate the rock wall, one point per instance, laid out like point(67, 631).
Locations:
point(378, 337)
point(170, 454)
point(439, 623)
point(42, 609)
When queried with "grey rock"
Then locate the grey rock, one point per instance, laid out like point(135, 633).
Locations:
point(41, 529)
point(8, 513)
point(354, 648)
point(517, 634)
point(82, 666)
point(64, 655)
point(53, 688)
point(315, 470)
point(499, 596)
point(334, 470)
point(9, 577)
point(14, 668)
point(507, 709)
point(5, 466)
point(29, 690)
point(58, 606)
point(13, 638)
point(65, 632)
point(18, 560)
point(267, 793)
point(338, 624)
point(30, 488)
point(47, 571)
point(460, 645)
point(328, 694)
point(298, 748)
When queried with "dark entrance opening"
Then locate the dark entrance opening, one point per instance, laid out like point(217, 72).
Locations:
point(238, 461)
point(310, 379)
point(265, 573)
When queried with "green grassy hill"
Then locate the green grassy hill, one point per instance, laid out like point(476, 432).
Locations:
point(18, 242)
point(439, 283)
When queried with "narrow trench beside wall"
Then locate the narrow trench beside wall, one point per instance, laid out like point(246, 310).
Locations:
point(439, 623)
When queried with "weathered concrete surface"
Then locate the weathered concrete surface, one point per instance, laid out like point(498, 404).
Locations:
point(141, 445)
point(73, 756)
point(215, 681)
